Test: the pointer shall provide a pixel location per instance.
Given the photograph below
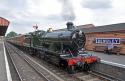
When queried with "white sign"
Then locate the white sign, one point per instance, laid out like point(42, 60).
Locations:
point(108, 40)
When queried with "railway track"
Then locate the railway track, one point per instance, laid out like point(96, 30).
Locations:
point(26, 70)
point(81, 76)
point(59, 74)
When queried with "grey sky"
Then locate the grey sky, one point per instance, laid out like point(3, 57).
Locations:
point(24, 14)
point(97, 4)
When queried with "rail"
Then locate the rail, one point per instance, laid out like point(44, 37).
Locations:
point(8, 51)
point(21, 77)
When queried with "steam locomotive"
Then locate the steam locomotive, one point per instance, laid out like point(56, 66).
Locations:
point(64, 48)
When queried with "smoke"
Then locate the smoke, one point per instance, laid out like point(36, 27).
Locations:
point(67, 10)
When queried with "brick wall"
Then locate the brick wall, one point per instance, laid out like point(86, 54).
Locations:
point(90, 37)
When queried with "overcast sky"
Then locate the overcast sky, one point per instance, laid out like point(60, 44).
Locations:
point(24, 14)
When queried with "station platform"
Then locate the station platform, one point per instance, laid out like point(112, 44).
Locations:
point(4, 67)
point(112, 58)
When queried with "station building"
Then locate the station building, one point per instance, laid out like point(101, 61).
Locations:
point(97, 38)
point(4, 23)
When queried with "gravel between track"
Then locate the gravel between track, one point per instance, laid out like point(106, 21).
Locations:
point(26, 72)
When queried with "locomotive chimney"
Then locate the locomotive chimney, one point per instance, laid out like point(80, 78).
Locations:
point(70, 25)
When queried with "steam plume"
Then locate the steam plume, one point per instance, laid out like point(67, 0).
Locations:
point(67, 11)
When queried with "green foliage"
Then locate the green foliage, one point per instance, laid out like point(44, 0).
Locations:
point(11, 34)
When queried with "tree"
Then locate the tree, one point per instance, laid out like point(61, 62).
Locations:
point(11, 34)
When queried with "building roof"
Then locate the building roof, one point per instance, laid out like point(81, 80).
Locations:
point(86, 26)
point(3, 26)
point(105, 28)
point(80, 27)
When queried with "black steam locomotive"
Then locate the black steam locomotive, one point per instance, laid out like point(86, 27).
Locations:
point(62, 47)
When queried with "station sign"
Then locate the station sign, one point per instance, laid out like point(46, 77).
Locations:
point(108, 40)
